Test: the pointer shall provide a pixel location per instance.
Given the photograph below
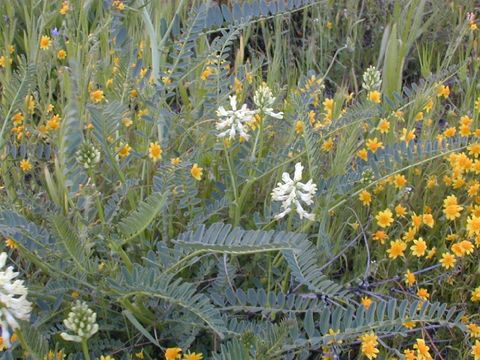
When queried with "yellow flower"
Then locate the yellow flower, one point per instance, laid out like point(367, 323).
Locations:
point(400, 210)
point(375, 96)
point(173, 353)
point(443, 90)
point(458, 250)
point(329, 25)
point(30, 104)
point(193, 356)
point(45, 42)
point(417, 220)
point(237, 86)
point(155, 151)
point(419, 248)
point(106, 357)
point(428, 220)
point(299, 127)
point(127, 122)
point(374, 144)
point(139, 355)
point(451, 209)
point(399, 181)
point(431, 253)
point(119, 5)
point(25, 165)
point(133, 93)
point(124, 150)
point(175, 161)
point(64, 8)
point(397, 248)
point(2, 61)
point(366, 302)
point(384, 218)
point(474, 330)
point(409, 354)
point(369, 343)
point(407, 135)
point(97, 96)
point(467, 247)
point(473, 225)
point(476, 350)
point(206, 73)
point(363, 154)
point(196, 172)
point(410, 278)
point(365, 197)
point(383, 126)
point(381, 236)
point(423, 293)
point(419, 116)
point(11, 244)
point(327, 146)
point(448, 260)
point(429, 105)
point(54, 122)
point(61, 54)
point(474, 149)
point(18, 119)
point(422, 350)
point(409, 324)
point(450, 132)
point(166, 80)
point(476, 295)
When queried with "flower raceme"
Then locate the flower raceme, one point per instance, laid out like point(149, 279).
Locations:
point(264, 100)
point(292, 193)
point(81, 321)
point(13, 299)
point(234, 121)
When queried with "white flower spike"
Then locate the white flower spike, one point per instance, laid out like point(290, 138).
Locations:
point(292, 193)
point(82, 321)
point(264, 100)
point(13, 299)
point(234, 121)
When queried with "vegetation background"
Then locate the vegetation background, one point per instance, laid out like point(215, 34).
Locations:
point(117, 190)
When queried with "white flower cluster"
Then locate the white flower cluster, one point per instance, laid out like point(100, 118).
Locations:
point(14, 305)
point(264, 100)
point(292, 193)
point(81, 321)
point(371, 79)
point(88, 156)
point(235, 121)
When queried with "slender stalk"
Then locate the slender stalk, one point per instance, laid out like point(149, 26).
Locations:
point(86, 355)
point(152, 34)
point(236, 215)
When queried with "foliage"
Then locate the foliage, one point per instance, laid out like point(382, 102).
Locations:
point(171, 235)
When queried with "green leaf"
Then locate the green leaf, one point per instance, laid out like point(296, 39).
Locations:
point(33, 343)
point(140, 327)
point(139, 219)
point(72, 244)
point(151, 283)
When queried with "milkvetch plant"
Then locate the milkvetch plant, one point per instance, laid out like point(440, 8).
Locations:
point(190, 180)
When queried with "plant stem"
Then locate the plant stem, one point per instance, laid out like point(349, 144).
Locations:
point(86, 355)
point(236, 211)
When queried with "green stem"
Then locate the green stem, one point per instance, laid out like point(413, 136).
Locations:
point(86, 355)
point(236, 212)
point(97, 199)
